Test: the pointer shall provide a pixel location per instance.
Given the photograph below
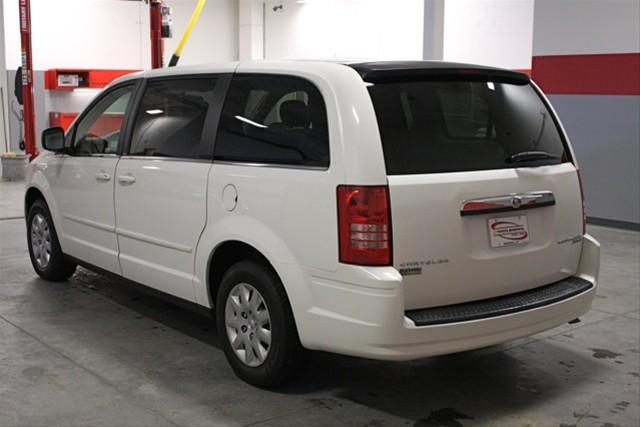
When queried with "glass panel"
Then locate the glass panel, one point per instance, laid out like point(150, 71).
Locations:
point(171, 118)
point(273, 119)
point(451, 126)
point(99, 131)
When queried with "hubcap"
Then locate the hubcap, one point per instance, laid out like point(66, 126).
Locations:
point(248, 324)
point(40, 240)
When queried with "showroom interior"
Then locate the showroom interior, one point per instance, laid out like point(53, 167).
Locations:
point(92, 352)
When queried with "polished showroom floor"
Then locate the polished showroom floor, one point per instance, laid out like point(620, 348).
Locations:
point(91, 353)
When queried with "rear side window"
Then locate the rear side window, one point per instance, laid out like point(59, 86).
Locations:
point(453, 126)
point(171, 118)
point(273, 119)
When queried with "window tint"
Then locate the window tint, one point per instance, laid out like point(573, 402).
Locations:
point(450, 126)
point(273, 119)
point(171, 118)
point(98, 132)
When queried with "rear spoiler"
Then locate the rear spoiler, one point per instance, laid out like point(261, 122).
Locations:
point(414, 71)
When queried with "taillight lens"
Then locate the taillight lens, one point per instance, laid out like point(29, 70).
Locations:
point(364, 225)
point(584, 208)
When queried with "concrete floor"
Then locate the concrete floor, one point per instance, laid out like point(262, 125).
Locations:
point(92, 353)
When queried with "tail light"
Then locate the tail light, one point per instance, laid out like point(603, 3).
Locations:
point(584, 208)
point(364, 225)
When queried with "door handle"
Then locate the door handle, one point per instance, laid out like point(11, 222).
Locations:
point(127, 179)
point(103, 176)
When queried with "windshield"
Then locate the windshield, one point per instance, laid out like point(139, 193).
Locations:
point(454, 126)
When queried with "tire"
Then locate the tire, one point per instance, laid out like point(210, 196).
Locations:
point(285, 357)
point(44, 248)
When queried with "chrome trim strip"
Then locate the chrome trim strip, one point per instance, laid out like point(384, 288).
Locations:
point(97, 155)
point(109, 155)
point(507, 203)
point(88, 222)
point(166, 159)
point(154, 241)
point(269, 165)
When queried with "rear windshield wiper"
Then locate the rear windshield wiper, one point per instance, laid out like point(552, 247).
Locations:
point(525, 156)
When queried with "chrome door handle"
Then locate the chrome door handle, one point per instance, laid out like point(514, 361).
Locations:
point(127, 179)
point(103, 176)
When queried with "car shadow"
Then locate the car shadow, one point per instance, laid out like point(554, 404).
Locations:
point(438, 391)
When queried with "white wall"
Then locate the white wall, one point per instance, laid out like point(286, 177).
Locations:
point(81, 33)
point(250, 30)
point(352, 29)
point(489, 32)
point(215, 37)
point(115, 34)
point(586, 27)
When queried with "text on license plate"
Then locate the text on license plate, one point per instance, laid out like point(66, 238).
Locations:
point(507, 231)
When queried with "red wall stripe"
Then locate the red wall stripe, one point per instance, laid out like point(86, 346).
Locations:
point(603, 74)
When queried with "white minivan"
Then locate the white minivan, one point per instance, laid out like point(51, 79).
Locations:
point(387, 210)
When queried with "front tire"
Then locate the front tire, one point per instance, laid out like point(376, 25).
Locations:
point(44, 248)
point(254, 319)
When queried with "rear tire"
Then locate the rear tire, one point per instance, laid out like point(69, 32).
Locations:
point(44, 248)
point(253, 312)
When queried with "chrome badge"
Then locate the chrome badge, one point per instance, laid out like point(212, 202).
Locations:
point(516, 202)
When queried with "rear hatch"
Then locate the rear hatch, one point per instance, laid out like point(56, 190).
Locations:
point(484, 198)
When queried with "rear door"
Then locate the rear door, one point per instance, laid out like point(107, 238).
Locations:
point(161, 183)
point(470, 220)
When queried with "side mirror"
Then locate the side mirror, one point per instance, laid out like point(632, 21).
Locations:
point(53, 139)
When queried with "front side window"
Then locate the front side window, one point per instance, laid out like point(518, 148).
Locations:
point(273, 119)
point(171, 118)
point(98, 132)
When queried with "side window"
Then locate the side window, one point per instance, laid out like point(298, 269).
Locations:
point(98, 132)
point(171, 118)
point(275, 120)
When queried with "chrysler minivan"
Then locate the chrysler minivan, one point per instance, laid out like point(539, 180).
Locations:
point(386, 210)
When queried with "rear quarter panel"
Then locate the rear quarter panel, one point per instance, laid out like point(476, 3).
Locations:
point(290, 214)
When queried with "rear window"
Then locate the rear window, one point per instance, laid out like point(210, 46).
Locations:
point(455, 126)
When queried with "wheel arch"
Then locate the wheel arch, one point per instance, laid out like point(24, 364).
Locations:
point(236, 237)
point(31, 195)
point(225, 255)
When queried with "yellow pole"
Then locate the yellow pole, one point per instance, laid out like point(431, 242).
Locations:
point(187, 32)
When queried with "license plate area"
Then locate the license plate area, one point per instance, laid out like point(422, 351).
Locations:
point(508, 231)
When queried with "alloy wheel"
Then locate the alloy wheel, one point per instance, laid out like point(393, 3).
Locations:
point(248, 324)
point(41, 240)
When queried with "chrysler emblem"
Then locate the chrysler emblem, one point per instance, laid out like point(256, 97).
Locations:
point(516, 202)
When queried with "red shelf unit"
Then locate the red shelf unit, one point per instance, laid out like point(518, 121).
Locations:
point(69, 79)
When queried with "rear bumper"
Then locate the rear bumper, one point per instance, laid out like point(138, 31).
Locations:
point(364, 316)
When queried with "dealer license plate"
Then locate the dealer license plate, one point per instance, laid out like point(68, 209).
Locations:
point(508, 231)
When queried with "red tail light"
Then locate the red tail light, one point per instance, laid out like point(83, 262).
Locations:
point(584, 208)
point(364, 225)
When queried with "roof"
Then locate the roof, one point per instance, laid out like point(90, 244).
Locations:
point(371, 71)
